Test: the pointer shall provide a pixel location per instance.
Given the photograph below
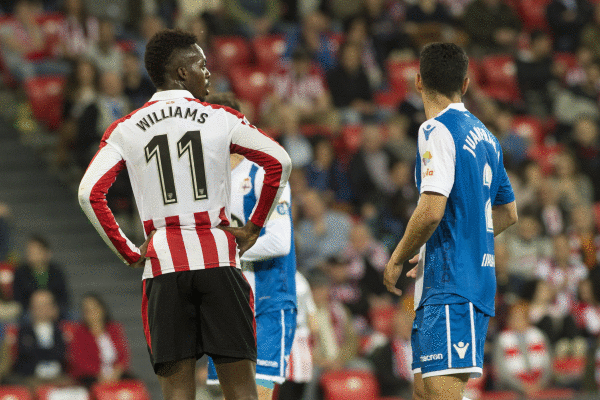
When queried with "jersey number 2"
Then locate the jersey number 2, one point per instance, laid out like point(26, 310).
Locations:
point(191, 143)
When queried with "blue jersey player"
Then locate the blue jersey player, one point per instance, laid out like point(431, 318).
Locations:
point(466, 199)
point(269, 266)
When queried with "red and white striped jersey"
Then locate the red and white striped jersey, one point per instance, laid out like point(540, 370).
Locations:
point(176, 150)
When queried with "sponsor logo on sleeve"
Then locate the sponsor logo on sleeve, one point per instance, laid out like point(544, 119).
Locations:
point(427, 158)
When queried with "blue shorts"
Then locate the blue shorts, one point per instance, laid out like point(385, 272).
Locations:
point(274, 337)
point(448, 339)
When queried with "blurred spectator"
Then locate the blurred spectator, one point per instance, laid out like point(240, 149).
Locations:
point(393, 361)
point(80, 97)
point(356, 31)
point(5, 232)
point(584, 238)
point(81, 30)
point(296, 144)
point(587, 309)
point(514, 146)
point(304, 90)
point(574, 188)
point(585, 142)
point(427, 11)
point(385, 20)
point(567, 19)
point(150, 24)
point(39, 272)
point(573, 102)
point(24, 46)
point(369, 169)
point(492, 26)
point(527, 188)
point(326, 174)
point(399, 206)
point(521, 355)
point(555, 321)
point(349, 86)
point(342, 10)
point(527, 248)
point(41, 350)
point(536, 73)
point(399, 143)
point(106, 53)
point(507, 288)
point(336, 342)
point(314, 36)
point(553, 216)
point(322, 232)
point(99, 351)
point(590, 36)
point(252, 17)
point(575, 74)
point(412, 107)
point(138, 87)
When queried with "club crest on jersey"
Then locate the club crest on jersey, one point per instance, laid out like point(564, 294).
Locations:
point(461, 349)
point(427, 158)
point(246, 186)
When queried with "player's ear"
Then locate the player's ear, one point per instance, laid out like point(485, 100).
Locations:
point(182, 73)
point(418, 83)
point(465, 86)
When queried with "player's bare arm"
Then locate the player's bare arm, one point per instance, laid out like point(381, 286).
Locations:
point(504, 216)
point(245, 236)
point(422, 224)
point(143, 250)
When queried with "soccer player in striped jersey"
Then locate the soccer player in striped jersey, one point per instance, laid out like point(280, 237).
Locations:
point(466, 199)
point(195, 299)
point(269, 266)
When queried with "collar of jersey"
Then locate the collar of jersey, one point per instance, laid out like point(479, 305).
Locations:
point(453, 106)
point(170, 95)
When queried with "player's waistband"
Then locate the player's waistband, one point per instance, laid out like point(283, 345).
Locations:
point(199, 220)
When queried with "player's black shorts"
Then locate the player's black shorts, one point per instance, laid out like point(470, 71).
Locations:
point(191, 313)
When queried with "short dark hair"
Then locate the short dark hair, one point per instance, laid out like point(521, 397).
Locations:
point(159, 50)
point(443, 68)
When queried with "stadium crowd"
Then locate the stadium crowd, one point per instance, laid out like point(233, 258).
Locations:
point(333, 82)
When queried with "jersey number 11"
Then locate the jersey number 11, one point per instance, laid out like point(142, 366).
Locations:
point(191, 143)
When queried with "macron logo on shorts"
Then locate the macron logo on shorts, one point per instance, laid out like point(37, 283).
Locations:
point(461, 349)
point(430, 357)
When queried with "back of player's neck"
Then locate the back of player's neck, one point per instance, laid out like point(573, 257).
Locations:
point(434, 104)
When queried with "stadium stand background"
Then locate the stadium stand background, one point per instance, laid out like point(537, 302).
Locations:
point(332, 80)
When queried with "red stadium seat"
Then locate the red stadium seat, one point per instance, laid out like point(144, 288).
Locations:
point(545, 156)
point(52, 26)
point(348, 142)
point(268, 51)
point(45, 94)
point(474, 72)
point(500, 78)
point(15, 393)
point(250, 84)
point(533, 14)
point(124, 390)
point(500, 396)
point(11, 334)
point(50, 392)
point(231, 51)
point(389, 99)
point(530, 128)
point(400, 73)
point(349, 385)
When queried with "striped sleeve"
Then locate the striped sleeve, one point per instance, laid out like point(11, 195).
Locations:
point(98, 178)
point(253, 144)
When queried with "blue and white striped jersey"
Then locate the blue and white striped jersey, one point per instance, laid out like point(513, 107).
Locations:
point(459, 158)
point(269, 265)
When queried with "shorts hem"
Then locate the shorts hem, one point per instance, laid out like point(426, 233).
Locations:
point(232, 354)
point(277, 379)
point(416, 371)
point(475, 372)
